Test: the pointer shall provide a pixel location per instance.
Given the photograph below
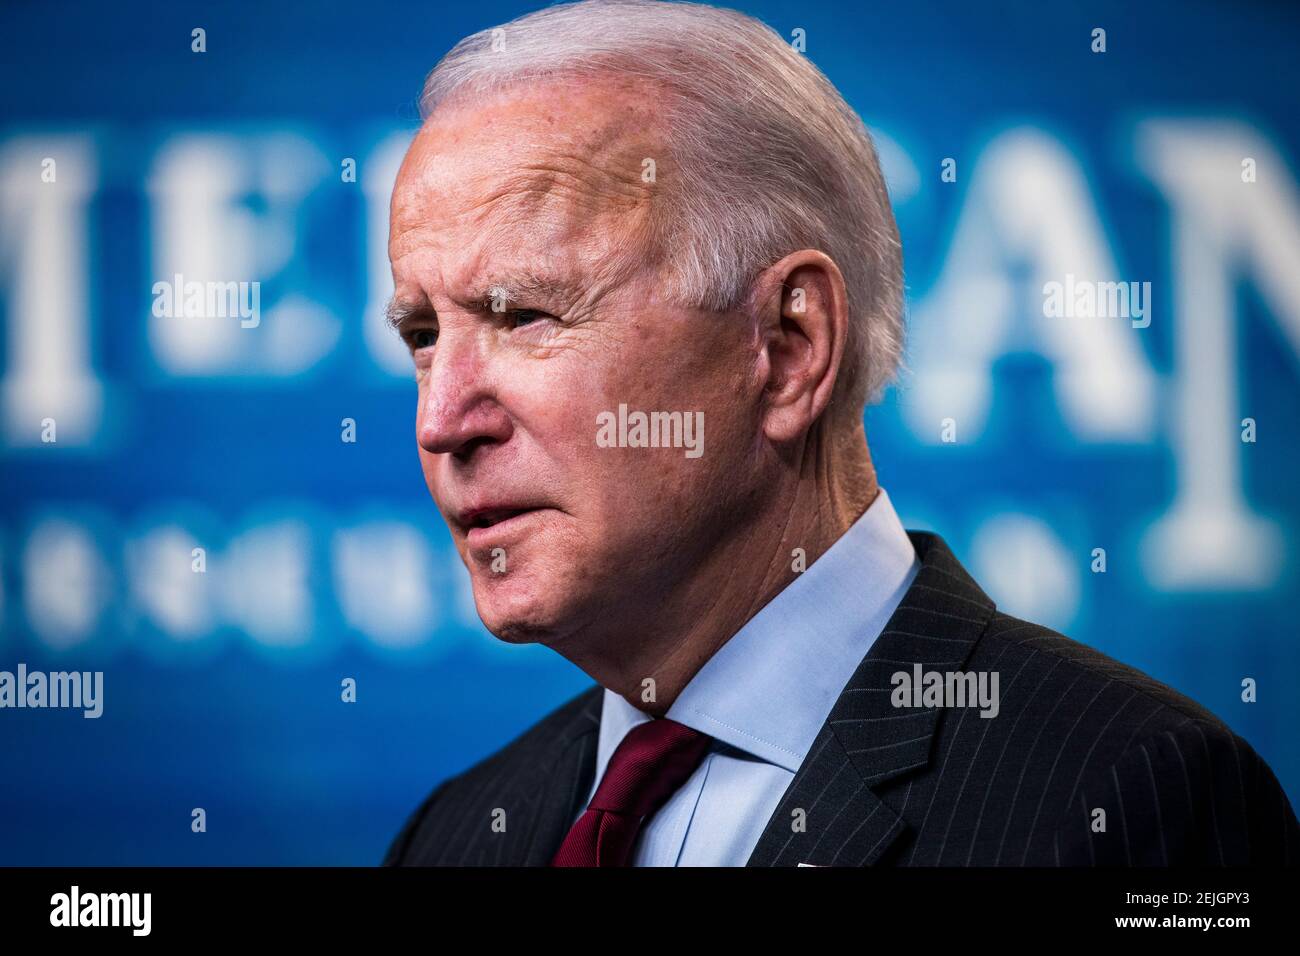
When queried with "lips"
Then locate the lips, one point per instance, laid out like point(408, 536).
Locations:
point(487, 517)
point(491, 521)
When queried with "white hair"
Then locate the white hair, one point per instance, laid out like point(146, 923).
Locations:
point(771, 157)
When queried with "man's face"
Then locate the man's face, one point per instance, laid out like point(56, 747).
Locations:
point(538, 196)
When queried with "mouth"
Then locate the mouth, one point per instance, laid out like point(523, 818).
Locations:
point(487, 517)
point(481, 524)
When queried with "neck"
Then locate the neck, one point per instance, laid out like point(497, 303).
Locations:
point(820, 492)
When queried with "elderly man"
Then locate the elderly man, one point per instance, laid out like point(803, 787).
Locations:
point(648, 273)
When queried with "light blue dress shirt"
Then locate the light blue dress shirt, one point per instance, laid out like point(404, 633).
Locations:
point(765, 694)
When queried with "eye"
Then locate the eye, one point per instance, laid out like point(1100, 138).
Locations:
point(423, 338)
point(522, 317)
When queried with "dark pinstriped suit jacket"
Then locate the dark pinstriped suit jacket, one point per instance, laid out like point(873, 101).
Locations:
point(1076, 732)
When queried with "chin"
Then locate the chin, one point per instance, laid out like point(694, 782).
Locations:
point(518, 611)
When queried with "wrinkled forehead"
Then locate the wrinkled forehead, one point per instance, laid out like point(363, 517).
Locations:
point(560, 166)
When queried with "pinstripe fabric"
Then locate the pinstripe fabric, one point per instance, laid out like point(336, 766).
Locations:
point(1076, 733)
point(537, 781)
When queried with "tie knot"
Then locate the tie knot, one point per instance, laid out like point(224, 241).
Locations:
point(653, 760)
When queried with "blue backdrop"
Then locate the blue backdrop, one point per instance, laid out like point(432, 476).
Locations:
point(1018, 153)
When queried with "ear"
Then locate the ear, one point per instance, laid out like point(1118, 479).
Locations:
point(803, 320)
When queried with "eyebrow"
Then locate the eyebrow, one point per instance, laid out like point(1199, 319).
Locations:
point(513, 288)
point(397, 315)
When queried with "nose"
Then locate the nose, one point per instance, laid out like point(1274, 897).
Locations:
point(459, 410)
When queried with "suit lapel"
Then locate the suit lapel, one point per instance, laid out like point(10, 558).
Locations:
point(558, 783)
point(866, 741)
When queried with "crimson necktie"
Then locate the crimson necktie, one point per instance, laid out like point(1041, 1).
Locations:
point(654, 759)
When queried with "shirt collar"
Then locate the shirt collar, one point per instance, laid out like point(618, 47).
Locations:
point(769, 689)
